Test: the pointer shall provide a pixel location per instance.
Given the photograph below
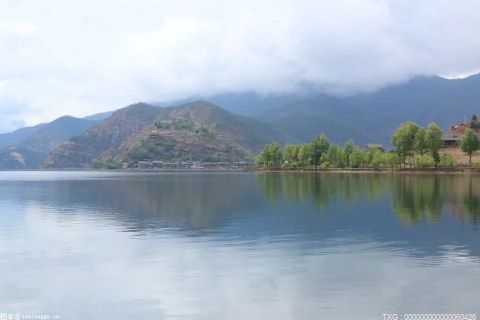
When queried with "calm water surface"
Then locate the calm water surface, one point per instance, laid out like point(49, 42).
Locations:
point(206, 245)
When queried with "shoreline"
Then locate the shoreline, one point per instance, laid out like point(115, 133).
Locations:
point(429, 171)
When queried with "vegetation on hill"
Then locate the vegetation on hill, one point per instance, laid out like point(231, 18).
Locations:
point(196, 131)
point(81, 151)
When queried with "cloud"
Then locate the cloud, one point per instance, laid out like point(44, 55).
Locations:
point(79, 58)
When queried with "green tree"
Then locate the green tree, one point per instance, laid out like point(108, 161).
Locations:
point(446, 161)
point(420, 143)
point(290, 155)
point(271, 156)
point(434, 141)
point(372, 149)
point(377, 159)
point(391, 159)
point(304, 154)
point(340, 158)
point(320, 146)
point(347, 151)
point(357, 158)
point(333, 154)
point(404, 140)
point(469, 144)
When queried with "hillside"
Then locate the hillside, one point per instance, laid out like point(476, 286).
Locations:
point(304, 119)
point(15, 137)
point(196, 131)
point(368, 117)
point(30, 152)
point(80, 151)
point(373, 117)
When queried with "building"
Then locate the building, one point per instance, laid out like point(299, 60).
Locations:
point(452, 137)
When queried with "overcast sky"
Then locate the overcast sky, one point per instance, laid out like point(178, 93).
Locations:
point(81, 57)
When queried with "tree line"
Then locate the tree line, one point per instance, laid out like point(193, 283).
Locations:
point(414, 147)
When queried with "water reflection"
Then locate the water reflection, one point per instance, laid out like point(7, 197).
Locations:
point(323, 188)
point(414, 197)
point(238, 246)
point(143, 201)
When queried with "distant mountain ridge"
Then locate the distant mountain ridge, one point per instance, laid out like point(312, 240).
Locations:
point(29, 151)
point(367, 117)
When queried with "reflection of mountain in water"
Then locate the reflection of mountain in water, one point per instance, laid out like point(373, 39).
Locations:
point(185, 201)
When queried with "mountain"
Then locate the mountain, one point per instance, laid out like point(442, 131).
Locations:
point(80, 151)
point(248, 103)
point(423, 100)
point(304, 119)
point(197, 131)
point(99, 116)
point(367, 117)
point(15, 137)
point(30, 151)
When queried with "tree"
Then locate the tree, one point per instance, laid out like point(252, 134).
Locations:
point(304, 154)
point(347, 151)
point(320, 146)
point(371, 151)
point(377, 159)
point(420, 143)
point(340, 158)
point(333, 153)
point(271, 156)
point(469, 144)
point(474, 122)
point(433, 138)
point(290, 155)
point(404, 139)
point(357, 158)
point(391, 159)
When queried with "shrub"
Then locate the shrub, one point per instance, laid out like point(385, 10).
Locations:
point(446, 161)
point(425, 161)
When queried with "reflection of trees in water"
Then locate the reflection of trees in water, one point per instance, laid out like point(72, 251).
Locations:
point(471, 200)
point(424, 197)
point(419, 197)
point(414, 197)
point(323, 188)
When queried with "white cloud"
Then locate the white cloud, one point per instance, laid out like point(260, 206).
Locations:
point(65, 57)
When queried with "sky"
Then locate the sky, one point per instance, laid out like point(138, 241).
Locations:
point(61, 57)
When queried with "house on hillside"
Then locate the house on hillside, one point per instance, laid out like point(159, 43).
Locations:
point(452, 137)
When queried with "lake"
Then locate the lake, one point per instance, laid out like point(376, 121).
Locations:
point(229, 245)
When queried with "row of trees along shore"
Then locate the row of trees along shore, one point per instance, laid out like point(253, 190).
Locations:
point(414, 147)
